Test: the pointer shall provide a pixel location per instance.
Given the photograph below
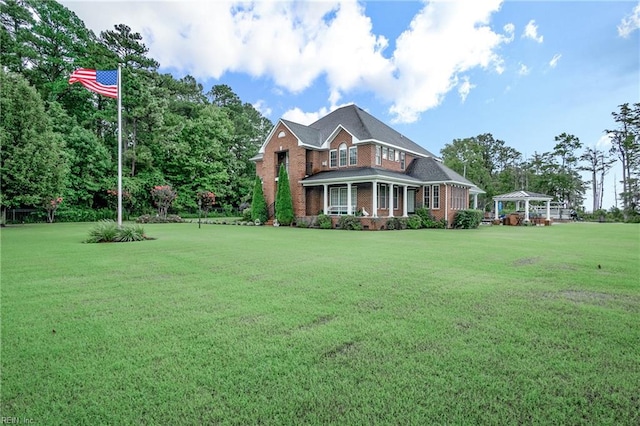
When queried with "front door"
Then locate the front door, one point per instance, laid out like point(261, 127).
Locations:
point(411, 200)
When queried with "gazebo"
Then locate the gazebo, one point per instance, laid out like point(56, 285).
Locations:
point(525, 196)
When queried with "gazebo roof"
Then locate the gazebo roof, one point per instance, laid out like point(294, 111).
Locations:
point(522, 196)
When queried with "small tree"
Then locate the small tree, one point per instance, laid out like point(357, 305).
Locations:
point(258, 203)
point(206, 200)
point(163, 196)
point(52, 205)
point(284, 204)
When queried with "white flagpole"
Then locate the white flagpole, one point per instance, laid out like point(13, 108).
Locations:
point(119, 147)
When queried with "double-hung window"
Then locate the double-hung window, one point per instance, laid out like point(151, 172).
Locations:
point(435, 197)
point(333, 158)
point(396, 196)
point(391, 154)
point(402, 160)
point(384, 152)
point(378, 155)
point(383, 196)
point(427, 196)
point(338, 198)
point(343, 155)
point(353, 155)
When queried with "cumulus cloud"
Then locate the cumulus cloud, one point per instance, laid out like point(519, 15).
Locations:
point(261, 106)
point(295, 43)
point(524, 70)
point(554, 61)
point(630, 23)
point(531, 31)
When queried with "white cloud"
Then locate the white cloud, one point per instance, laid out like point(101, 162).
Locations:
point(524, 70)
point(531, 31)
point(604, 142)
point(465, 88)
point(450, 38)
point(554, 61)
point(294, 43)
point(630, 23)
point(261, 106)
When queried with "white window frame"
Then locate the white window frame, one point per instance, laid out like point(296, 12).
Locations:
point(383, 196)
point(353, 155)
point(385, 151)
point(338, 199)
point(396, 197)
point(342, 155)
point(333, 158)
point(391, 154)
point(435, 197)
point(427, 197)
point(378, 155)
point(402, 160)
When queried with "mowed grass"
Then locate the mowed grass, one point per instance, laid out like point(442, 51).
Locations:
point(263, 325)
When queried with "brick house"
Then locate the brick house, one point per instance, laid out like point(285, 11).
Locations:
point(350, 163)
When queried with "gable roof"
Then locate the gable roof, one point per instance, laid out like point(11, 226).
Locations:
point(523, 195)
point(362, 125)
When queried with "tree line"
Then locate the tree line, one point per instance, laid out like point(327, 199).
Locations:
point(59, 142)
point(498, 168)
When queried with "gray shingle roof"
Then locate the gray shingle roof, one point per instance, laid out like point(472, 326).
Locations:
point(360, 124)
point(360, 172)
point(430, 170)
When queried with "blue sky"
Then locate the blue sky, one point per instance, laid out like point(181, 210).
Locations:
point(524, 71)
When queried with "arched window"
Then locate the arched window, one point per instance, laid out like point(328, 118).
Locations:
point(342, 155)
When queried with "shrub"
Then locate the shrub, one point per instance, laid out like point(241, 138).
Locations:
point(350, 223)
point(104, 232)
point(172, 218)
point(284, 203)
point(130, 233)
point(467, 219)
point(246, 215)
point(396, 223)
point(302, 223)
point(324, 221)
point(258, 203)
point(414, 222)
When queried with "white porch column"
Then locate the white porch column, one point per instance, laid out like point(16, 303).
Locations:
point(390, 200)
point(405, 208)
point(475, 201)
point(495, 202)
point(549, 210)
point(374, 201)
point(349, 207)
point(526, 210)
point(325, 195)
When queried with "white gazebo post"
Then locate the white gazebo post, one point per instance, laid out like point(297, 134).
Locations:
point(326, 199)
point(495, 202)
point(548, 209)
point(526, 210)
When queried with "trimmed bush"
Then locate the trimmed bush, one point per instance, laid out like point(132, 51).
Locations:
point(350, 223)
point(324, 221)
point(467, 219)
point(284, 203)
point(172, 218)
point(258, 203)
point(396, 223)
point(414, 222)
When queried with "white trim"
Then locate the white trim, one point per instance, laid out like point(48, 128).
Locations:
point(326, 144)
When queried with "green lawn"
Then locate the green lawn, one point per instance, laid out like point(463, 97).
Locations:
point(247, 325)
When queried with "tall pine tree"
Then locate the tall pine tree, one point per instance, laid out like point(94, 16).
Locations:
point(258, 203)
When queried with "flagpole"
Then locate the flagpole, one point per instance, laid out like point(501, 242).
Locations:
point(119, 147)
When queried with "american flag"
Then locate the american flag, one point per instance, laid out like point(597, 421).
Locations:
point(102, 82)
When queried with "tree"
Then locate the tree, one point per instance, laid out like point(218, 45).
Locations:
point(206, 200)
point(598, 164)
point(163, 197)
point(258, 203)
point(33, 165)
point(625, 143)
point(284, 204)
